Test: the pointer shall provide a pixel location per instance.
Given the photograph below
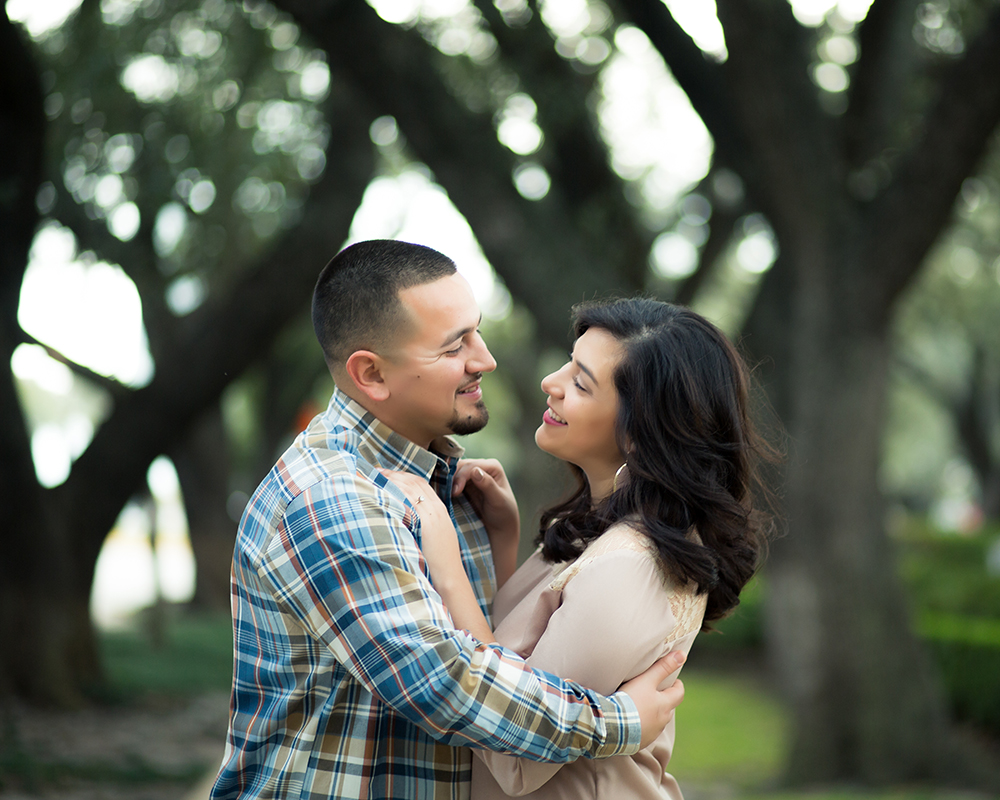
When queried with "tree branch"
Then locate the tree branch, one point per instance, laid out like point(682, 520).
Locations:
point(701, 78)
point(221, 338)
point(878, 79)
point(957, 131)
point(111, 386)
point(796, 165)
point(575, 156)
point(534, 246)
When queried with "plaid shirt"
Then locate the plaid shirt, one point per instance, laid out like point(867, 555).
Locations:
point(350, 679)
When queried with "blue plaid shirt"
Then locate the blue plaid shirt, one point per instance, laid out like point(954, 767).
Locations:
point(350, 679)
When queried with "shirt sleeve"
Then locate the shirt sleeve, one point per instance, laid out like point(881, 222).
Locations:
point(345, 562)
point(611, 626)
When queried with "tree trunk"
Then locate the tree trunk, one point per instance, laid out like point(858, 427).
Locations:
point(865, 701)
point(37, 619)
point(203, 469)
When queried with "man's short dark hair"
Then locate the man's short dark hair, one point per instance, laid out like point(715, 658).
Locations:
point(356, 303)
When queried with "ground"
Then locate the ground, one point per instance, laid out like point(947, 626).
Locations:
point(158, 750)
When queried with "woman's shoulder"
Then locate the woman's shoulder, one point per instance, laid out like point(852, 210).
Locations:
point(622, 537)
point(626, 535)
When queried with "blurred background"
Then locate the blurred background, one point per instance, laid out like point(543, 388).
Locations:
point(821, 178)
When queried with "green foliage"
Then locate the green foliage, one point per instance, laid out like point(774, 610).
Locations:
point(948, 575)
point(956, 606)
point(970, 670)
point(206, 114)
point(744, 627)
point(959, 617)
point(732, 737)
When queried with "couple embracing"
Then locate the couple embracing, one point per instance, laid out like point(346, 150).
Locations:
point(386, 643)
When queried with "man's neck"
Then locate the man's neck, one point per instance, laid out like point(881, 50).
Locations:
point(372, 408)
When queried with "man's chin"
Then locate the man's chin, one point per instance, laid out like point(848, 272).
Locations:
point(470, 423)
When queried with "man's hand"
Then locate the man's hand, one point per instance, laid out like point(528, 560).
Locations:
point(656, 706)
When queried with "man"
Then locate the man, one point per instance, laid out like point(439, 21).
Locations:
point(350, 679)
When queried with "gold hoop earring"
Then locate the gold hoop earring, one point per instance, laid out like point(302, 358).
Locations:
point(614, 483)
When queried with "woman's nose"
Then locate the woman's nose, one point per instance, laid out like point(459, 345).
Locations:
point(550, 384)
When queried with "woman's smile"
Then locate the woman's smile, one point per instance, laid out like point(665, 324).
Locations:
point(550, 417)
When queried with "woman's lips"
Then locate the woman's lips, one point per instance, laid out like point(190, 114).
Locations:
point(551, 418)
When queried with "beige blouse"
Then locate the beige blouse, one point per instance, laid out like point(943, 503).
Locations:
point(599, 620)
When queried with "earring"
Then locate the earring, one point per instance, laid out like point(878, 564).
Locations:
point(614, 483)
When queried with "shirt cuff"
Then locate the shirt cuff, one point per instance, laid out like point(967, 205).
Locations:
point(624, 728)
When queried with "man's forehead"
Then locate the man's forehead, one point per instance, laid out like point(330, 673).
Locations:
point(440, 311)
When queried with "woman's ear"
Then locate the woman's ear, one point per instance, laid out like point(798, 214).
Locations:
point(364, 368)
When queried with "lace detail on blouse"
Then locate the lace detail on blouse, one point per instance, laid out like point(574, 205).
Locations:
point(687, 606)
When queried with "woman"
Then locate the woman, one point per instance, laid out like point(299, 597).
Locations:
point(657, 541)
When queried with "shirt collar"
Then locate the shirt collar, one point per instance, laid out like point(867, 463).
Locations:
point(382, 446)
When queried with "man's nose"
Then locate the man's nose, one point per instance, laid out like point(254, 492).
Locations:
point(482, 359)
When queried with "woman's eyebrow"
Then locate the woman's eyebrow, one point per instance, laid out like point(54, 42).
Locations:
point(589, 373)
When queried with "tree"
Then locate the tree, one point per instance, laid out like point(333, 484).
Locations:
point(55, 534)
point(856, 185)
point(22, 123)
point(856, 198)
point(946, 345)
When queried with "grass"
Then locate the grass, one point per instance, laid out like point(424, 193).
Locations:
point(195, 656)
point(728, 731)
point(862, 794)
point(732, 737)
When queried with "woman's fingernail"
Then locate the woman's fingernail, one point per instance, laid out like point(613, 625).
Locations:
point(477, 474)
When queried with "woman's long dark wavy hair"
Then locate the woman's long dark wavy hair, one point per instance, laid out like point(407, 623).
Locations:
point(693, 453)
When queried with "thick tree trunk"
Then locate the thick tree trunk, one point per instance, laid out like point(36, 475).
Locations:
point(865, 700)
point(37, 618)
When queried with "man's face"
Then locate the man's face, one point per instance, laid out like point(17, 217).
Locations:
point(433, 375)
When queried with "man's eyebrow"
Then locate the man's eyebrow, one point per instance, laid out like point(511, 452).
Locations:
point(453, 337)
point(589, 373)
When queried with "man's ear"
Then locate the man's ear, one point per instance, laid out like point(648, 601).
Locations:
point(364, 368)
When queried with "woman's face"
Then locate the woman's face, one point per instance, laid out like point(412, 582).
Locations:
point(579, 424)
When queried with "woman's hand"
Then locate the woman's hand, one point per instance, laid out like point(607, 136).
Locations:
point(434, 517)
point(438, 539)
point(485, 483)
point(439, 543)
